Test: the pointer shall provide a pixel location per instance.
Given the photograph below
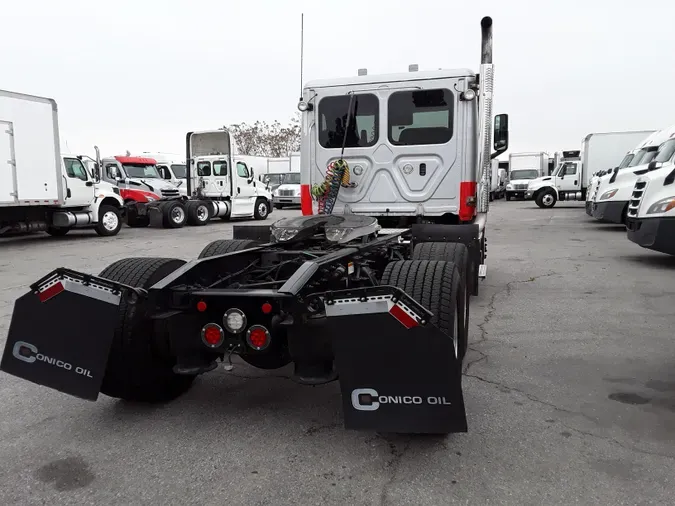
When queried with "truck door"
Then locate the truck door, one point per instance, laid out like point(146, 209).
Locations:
point(221, 178)
point(80, 188)
point(8, 190)
point(569, 178)
point(164, 172)
point(243, 201)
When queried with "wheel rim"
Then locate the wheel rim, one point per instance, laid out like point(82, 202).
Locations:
point(177, 214)
point(262, 209)
point(110, 221)
point(202, 213)
point(548, 199)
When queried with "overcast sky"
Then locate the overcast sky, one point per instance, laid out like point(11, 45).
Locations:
point(139, 74)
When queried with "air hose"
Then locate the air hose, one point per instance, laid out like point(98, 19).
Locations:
point(326, 192)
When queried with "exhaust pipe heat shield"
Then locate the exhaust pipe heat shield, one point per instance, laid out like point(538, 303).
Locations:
point(397, 372)
point(61, 333)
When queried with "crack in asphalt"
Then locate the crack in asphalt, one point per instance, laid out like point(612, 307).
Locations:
point(393, 464)
point(491, 309)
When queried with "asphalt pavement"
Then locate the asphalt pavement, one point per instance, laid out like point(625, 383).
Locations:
point(569, 389)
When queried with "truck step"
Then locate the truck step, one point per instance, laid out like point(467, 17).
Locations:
point(482, 271)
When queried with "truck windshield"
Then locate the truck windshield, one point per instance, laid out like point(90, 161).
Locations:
point(524, 174)
point(291, 178)
point(626, 160)
point(666, 151)
point(179, 171)
point(141, 171)
point(637, 158)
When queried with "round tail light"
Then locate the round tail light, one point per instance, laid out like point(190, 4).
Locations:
point(258, 337)
point(212, 335)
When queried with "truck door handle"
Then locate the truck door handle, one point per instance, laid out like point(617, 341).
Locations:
point(238, 190)
point(576, 182)
point(89, 183)
point(423, 169)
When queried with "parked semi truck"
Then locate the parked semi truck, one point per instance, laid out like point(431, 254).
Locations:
point(42, 189)
point(571, 179)
point(171, 168)
point(523, 168)
point(610, 199)
point(336, 292)
point(651, 207)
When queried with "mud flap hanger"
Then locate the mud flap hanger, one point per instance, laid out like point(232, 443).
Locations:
point(44, 284)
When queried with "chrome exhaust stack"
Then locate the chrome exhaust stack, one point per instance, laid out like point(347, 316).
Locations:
point(485, 112)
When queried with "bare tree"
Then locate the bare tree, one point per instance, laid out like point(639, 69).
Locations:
point(267, 139)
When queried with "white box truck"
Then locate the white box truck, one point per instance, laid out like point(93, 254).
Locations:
point(524, 167)
point(571, 179)
point(42, 189)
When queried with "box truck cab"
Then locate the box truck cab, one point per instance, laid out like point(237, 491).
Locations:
point(288, 192)
point(524, 167)
point(650, 218)
point(610, 203)
point(564, 180)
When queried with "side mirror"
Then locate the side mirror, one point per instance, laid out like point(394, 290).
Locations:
point(501, 133)
point(652, 165)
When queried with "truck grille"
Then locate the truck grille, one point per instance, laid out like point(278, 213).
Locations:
point(636, 198)
point(286, 193)
point(520, 187)
point(594, 193)
point(170, 192)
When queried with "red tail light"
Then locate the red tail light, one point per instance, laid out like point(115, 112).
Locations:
point(201, 306)
point(212, 335)
point(266, 308)
point(467, 200)
point(258, 337)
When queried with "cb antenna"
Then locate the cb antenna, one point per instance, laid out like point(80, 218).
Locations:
point(302, 47)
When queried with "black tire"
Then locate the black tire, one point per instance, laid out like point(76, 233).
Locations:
point(508, 197)
point(223, 246)
point(492, 196)
point(139, 367)
point(57, 231)
point(135, 220)
point(262, 209)
point(438, 286)
point(109, 221)
point(198, 213)
point(546, 199)
point(458, 254)
point(174, 214)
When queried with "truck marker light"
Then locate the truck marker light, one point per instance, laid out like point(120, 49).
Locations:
point(467, 200)
point(266, 308)
point(234, 320)
point(212, 335)
point(258, 337)
point(201, 306)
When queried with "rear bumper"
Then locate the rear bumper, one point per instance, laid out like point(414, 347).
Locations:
point(609, 212)
point(656, 234)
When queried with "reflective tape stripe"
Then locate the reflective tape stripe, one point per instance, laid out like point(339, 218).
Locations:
point(374, 304)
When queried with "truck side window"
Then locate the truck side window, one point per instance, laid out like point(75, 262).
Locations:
point(571, 169)
point(111, 171)
point(75, 169)
point(220, 168)
point(420, 117)
point(204, 169)
point(362, 127)
point(164, 172)
point(242, 170)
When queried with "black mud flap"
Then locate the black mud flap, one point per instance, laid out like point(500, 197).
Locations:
point(397, 372)
point(61, 332)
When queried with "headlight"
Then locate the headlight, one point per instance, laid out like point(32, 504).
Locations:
point(284, 234)
point(662, 206)
point(150, 199)
point(609, 194)
point(509, 186)
point(296, 192)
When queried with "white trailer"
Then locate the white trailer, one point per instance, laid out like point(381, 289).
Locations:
point(523, 168)
point(42, 189)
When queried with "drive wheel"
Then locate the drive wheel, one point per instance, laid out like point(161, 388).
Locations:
point(173, 214)
point(109, 221)
point(139, 367)
point(458, 254)
point(262, 209)
point(197, 213)
point(546, 199)
point(223, 246)
point(438, 286)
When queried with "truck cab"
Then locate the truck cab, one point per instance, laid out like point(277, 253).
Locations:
point(288, 192)
point(614, 190)
point(138, 178)
point(650, 220)
point(565, 179)
point(171, 168)
point(216, 173)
